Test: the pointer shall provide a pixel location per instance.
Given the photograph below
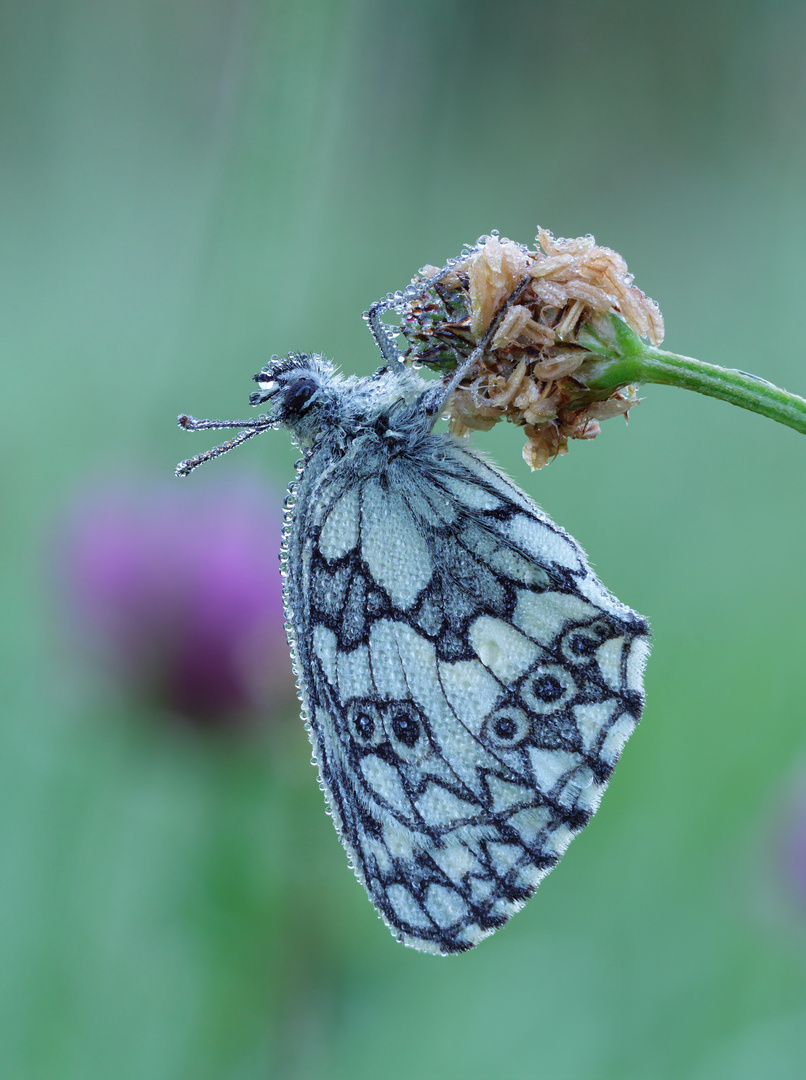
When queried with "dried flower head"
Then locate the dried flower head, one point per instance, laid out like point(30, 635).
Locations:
point(533, 373)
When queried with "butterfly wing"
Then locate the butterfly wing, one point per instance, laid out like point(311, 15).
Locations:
point(467, 681)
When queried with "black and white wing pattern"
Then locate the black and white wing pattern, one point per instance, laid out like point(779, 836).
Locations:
point(467, 681)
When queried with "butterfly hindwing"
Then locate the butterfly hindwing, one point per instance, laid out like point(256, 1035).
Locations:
point(467, 681)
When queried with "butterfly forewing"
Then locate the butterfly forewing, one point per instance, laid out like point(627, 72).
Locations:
point(468, 683)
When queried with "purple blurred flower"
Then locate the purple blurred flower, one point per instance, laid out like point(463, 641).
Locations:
point(176, 588)
point(793, 847)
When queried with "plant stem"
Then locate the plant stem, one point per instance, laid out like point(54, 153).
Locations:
point(634, 361)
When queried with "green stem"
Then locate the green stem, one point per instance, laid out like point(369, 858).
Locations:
point(633, 361)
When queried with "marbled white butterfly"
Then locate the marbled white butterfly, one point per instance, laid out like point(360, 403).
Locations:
point(466, 681)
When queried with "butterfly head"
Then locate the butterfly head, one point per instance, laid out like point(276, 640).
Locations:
point(299, 389)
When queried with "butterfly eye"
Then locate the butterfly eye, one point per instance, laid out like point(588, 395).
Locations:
point(298, 396)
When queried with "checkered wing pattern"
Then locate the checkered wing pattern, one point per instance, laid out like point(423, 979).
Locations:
point(467, 682)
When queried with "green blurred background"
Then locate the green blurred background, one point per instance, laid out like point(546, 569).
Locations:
point(190, 187)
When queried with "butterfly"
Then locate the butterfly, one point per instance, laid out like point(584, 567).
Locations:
point(466, 681)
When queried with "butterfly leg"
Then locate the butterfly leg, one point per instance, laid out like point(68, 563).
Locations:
point(383, 335)
point(434, 402)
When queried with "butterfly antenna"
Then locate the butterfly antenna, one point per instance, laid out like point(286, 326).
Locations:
point(250, 429)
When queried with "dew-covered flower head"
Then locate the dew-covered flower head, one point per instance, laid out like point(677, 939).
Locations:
point(533, 372)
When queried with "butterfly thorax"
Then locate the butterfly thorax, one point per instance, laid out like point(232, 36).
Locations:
point(315, 403)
